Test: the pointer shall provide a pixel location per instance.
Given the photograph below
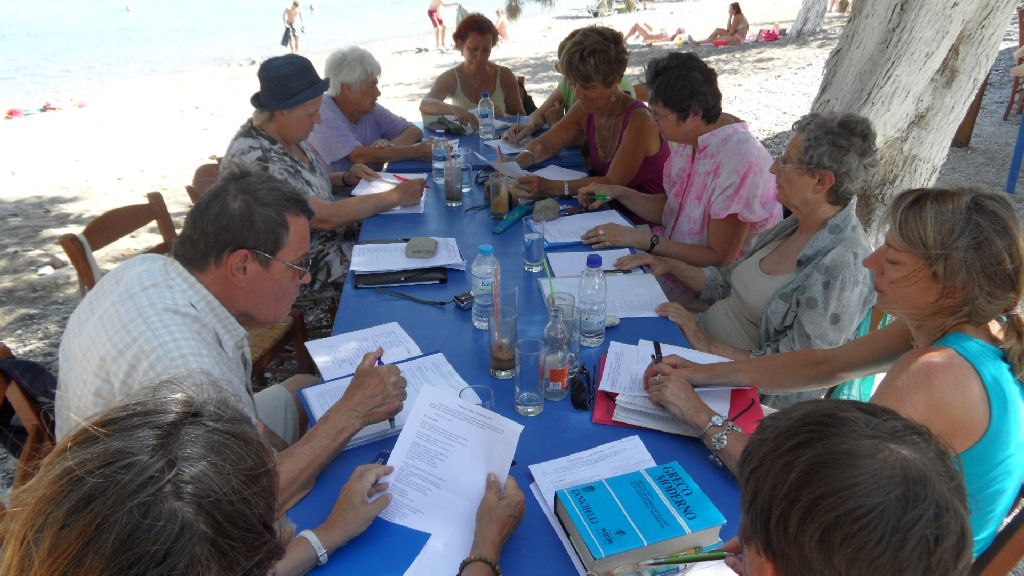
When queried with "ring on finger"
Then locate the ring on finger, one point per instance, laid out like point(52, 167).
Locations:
point(657, 380)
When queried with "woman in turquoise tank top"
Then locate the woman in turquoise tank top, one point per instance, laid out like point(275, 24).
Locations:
point(951, 271)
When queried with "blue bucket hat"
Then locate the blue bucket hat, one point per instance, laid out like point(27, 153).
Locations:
point(287, 81)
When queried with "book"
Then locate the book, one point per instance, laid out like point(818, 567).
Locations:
point(632, 517)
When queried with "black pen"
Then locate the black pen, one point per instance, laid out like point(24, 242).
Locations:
point(656, 357)
point(607, 272)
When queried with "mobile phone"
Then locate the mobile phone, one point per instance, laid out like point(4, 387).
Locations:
point(464, 300)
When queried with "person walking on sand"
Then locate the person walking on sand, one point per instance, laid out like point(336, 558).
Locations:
point(434, 13)
point(293, 20)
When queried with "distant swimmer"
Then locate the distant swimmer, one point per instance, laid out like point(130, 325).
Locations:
point(434, 13)
point(294, 22)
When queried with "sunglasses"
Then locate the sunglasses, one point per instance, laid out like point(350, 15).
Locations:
point(581, 391)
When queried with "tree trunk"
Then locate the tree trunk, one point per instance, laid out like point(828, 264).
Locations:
point(912, 67)
point(810, 18)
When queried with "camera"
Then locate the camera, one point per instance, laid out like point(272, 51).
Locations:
point(464, 300)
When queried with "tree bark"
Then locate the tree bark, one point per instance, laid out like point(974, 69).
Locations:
point(810, 18)
point(912, 67)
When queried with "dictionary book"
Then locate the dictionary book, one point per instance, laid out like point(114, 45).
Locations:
point(637, 516)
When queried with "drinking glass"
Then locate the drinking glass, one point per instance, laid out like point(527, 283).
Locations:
point(480, 394)
point(529, 392)
point(533, 244)
point(502, 332)
point(452, 184)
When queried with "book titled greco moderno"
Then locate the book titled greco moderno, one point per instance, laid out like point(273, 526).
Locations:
point(637, 516)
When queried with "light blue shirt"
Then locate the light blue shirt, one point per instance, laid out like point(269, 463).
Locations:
point(335, 137)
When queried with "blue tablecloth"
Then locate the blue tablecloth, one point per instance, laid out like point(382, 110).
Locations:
point(560, 430)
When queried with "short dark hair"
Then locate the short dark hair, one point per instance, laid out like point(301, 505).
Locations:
point(686, 85)
point(595, 54)
point(844, 487)
point(169, 482)
point(475, 23)
point(242, 210)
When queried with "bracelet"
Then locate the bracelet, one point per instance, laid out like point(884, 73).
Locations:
point(565, 189)
point(719, 440)
point(318, 548)
point(471, 559)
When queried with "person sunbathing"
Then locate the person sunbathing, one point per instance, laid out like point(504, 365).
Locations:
point(735, 32)
point(647, 33)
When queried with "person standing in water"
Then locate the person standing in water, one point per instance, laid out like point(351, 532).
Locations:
point(293, 20)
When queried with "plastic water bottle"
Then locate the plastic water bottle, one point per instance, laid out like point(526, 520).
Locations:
point(439, 153)
point(483, 270)
point(591, 302)
point(485, 110)
point(557, 358)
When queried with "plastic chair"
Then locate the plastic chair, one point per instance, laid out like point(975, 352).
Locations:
point(202, 179)
point(37, 423)
point(1007, 549)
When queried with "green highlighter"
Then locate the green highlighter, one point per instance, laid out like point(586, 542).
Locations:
point(514, 215)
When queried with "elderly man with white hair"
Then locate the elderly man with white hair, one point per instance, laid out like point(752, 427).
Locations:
point(354, 129)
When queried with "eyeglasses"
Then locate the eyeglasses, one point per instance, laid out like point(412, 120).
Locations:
point(304, 268)
point(659, 117)
point(789, 166)
point(581, 391)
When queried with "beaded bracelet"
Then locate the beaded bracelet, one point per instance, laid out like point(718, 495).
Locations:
point(471, 559)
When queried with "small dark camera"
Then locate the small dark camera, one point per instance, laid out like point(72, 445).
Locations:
point(464, 300)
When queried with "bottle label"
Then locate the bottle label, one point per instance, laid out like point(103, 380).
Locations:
point(558, 378)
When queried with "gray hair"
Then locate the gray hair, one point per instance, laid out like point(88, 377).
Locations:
point(352, 65)
point(243, 210)
point(841, 142)
point(261, 118)
point(164, 483)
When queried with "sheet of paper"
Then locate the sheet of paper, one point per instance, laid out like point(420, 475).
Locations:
point(557, 527)
point(433, 370)
point(574, 263)
point(339, 355)
point(629, 295)
point(441, 462)
point(623, 370)
point(387, 183)
point(611, 459)
point(506, 147)
point(696, 356)
point(507, 168)
point(640, 411)
point(391, 257)
point(552, 172)
point(569, 229)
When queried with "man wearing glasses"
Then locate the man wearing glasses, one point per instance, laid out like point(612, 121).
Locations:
point(238, 264)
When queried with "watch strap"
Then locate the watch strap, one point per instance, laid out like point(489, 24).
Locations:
point(318, 547)
point(655, 240)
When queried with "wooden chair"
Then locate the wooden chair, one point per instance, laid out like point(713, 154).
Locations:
point(1008, 547)
point(203, 178)
point(110, 227)
point(39, 424)
point(1018, 59)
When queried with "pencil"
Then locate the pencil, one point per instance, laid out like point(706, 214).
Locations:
point(686, 559)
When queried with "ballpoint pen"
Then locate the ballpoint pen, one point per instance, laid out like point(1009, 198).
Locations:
point(391, 421)
point(686, 559)
point(599, 197)
point(657, 357)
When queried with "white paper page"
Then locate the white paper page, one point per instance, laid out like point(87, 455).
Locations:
point(441, 462)
point(391, 257)
point(552, 172)
point(507, 168)
point(507, 148)
point(718, 399)
point(626, 455)
point(558, 530)
point(696, 356)
point(388, 182)
point(433, 370)
point(571, 228)
point(339, 355)
point(629, 295)
point(640, 411)
point(573, 263)
point(623, 370)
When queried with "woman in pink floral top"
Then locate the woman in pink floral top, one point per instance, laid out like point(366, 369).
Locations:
point(720, 194)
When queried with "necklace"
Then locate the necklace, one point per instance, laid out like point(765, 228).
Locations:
point(610, 125)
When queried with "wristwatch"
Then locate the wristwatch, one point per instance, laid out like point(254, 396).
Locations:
point(716, 421)
point(318, 548)
point(655, 240)
point(565, 189)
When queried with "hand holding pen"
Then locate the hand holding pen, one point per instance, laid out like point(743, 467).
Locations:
point(376, 392)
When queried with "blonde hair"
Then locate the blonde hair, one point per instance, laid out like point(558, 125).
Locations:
point(261, 118)
point(970, 241)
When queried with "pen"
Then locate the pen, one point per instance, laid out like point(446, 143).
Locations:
point(391, 421)
point(657, 352)
point(607, 272)
point(686, 558)
point(599, 197)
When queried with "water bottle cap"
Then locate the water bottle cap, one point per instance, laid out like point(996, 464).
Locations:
point(486, 249)
point(439, 134)
point(594, 261)
point(486, 95)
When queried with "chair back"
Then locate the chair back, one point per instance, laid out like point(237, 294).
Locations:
point(203, 178)
point(40, 428)
point(1007, 549)
point(113, 225)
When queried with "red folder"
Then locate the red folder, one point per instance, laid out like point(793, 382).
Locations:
point(744, 407)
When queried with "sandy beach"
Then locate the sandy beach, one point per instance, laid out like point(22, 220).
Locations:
point(61, 169)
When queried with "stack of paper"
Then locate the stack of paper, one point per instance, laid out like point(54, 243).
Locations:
point(339, 355)
point(386, 183)
point(367, 258)
point(629, 295)
point(432, 371)
point(619, 457)
point(570, 229)
point(623, 375)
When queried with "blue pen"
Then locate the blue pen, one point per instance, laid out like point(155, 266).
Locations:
point(391, 421)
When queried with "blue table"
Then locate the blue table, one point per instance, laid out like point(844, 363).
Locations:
point(560, 430)
point(568, 157)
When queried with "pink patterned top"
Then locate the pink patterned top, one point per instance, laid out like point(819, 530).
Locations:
point(727, 175)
